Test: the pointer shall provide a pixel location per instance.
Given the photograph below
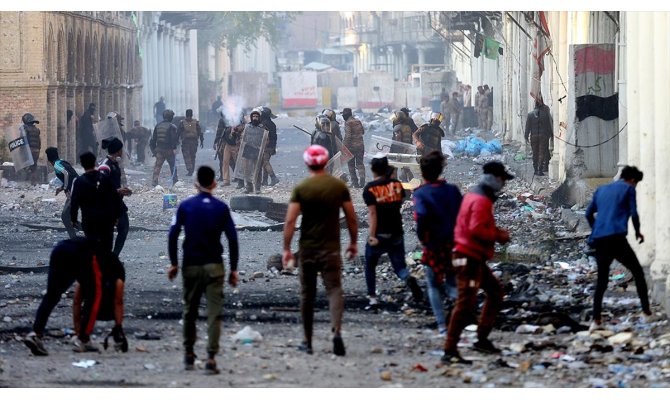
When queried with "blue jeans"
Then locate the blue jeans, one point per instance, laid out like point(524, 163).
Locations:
point(395, 248)
point(437, 292)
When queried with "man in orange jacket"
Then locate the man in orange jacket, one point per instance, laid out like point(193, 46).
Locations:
point(475, 236)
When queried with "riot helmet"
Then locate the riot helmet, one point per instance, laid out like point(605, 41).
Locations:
point(398, 117)
point(168, 115)
point(29, 119)
point(436, 118)
point(317, 121)
point(324, 124)
point(257, 113)
point(330, 114)
point(189, 113)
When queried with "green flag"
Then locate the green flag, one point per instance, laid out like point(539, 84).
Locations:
point(491, 48)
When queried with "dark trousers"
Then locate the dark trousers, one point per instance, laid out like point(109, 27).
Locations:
point(540, 146)
point(395, 248)
point(62, 275)
point(470, 278)
point(122, 228)
point(101, 233)
point(617, 248)
point(329, 263)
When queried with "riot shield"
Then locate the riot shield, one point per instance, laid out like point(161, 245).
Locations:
point(403, 156)
point(337, 165)
point(106, 128)
point(19, 149)
point(250, 154)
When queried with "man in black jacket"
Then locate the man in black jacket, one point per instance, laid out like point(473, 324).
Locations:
point(99, 201)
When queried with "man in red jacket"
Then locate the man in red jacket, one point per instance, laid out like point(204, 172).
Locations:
point(475, 236)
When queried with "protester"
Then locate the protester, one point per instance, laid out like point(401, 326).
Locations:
point(204, 218)
point(319, 199)
point(436, 205)
point(384, 197)
point(475, 236)
point(615, 204)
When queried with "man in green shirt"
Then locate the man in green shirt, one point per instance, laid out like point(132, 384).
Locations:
point(319, 199)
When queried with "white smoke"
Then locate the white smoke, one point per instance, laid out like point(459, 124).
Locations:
point(232, 109)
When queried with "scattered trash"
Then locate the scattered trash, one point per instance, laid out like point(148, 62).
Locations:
point(247, 336)
point(84, 363)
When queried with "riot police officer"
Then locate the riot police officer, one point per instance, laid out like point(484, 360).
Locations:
point(189, 132)
point(402, 132)
point(251, 148)
point(353, 139)
point(429, 136)
point(34, 142)
point(163, 146)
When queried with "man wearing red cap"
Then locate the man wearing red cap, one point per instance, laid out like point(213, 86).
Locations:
point(319, 199)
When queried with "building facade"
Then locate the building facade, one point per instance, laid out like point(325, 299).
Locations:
point(58, 62)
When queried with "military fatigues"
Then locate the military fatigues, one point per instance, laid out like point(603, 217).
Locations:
point(402, 132)
point(163, 145)
point(189, 132)
point(220, 145)
point(353, 139)
point(453, 114)
point(429, 137)
point(539, 126)
point(35, 144)
point(483, 105)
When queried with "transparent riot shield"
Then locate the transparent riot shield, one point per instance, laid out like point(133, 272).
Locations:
point(107, 128)
point(250, 154)
point(17, 140)
point(337, 165)
point(400, 155)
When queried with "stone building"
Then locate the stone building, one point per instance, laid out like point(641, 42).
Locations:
point(58, 61)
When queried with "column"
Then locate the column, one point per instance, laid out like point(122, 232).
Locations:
point(646, 189)
point(661, 114)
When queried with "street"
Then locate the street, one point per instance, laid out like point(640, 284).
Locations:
point(548, 279)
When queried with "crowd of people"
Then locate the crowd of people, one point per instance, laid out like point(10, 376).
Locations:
point(457, 232)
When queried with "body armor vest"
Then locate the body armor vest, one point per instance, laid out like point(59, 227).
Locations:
point(163, 139)
point(431, 136)
point(33, 134)
point(402, 133)
point(190, 129)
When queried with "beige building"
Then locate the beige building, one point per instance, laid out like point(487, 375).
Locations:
point(58, 61)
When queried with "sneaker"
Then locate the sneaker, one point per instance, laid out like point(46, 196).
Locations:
point(306, 347)
point(210, 367)
point(454, 358)
point(338, 346)
point(595, 326)
point(83, 347)
point(485, 346)
point(35, 345)
point(189, 361)
point(373, 305)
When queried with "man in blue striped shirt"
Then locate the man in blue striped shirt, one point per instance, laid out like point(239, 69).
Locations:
point(204, 218)
point(66, 174)
point(614, 204)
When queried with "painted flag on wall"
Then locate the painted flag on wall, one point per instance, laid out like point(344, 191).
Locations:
point(594, 82)
point(541, 46)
